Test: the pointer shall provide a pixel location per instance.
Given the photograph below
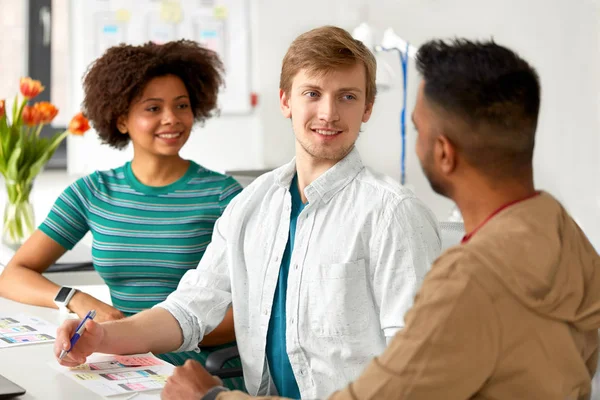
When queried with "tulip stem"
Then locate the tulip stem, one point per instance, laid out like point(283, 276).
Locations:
point(23, 103)
point(38, 130)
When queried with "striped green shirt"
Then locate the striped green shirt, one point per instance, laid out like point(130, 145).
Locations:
point(144, 238)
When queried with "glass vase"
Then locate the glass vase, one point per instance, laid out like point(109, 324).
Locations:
point(19, 219)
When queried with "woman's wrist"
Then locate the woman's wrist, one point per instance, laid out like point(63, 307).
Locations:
point(77, 301)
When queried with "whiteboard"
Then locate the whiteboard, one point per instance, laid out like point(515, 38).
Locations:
point(221, 25)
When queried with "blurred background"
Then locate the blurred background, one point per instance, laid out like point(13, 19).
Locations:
point(55, 40)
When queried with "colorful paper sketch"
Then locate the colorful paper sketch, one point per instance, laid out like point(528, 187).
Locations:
point(22, 329)
point(109, 375)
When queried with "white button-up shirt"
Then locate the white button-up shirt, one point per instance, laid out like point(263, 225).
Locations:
point(363, 246)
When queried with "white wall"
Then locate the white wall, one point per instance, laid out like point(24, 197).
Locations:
point(228, 142)
point(559, 37)
point(13, 42)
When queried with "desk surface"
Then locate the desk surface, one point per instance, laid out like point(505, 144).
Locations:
point(28, 366)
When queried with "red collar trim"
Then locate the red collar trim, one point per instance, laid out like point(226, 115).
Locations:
point(469, 235)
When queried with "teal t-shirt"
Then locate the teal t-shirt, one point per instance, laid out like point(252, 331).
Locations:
point(279, 361)
point(144, 238)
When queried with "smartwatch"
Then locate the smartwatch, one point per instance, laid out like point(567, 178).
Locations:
point(63, 297)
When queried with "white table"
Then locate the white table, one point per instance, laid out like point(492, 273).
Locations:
point(80, 253)
point(28, 366)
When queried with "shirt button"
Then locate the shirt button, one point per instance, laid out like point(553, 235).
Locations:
point(276, 258)
point(295, 266)
point(301, 372)
point(292, 321)
point(266, 312)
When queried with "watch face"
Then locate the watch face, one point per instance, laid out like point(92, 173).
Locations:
point(62, 294)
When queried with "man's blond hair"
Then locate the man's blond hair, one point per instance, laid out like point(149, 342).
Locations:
point(325, 49)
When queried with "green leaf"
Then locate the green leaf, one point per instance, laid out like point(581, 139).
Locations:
point(18, 119)
point(55, 142)
point(14, 110)
point(13, 162)
point(12, 140)
point(44, 149)
point(4, 133)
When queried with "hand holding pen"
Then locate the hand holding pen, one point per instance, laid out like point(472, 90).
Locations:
point(76, 340)
point(78, 332)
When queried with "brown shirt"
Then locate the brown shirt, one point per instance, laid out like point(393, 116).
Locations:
point(512, 314)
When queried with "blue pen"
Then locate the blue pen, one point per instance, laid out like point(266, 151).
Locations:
point(78, 332)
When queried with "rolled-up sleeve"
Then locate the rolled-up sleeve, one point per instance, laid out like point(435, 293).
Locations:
point(404, 248)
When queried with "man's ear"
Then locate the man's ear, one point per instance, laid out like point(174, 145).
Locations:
point(367, 113)
point(446, 154)
point(284, 104)
point(122, 125)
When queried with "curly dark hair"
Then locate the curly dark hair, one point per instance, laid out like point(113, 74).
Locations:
point(493, 90)
point(120, 75)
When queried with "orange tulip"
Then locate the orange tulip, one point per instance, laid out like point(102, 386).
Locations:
point(30, 88)
point(31, 116)
point(46, 111)
point(2, 108)
point(79, 125)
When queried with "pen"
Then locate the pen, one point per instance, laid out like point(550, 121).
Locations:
point(78, 332)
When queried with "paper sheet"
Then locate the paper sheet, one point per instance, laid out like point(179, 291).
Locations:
point(22, 329)
point(109, 375)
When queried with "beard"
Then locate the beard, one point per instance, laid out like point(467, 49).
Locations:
point(333, 152)
point(437, 184)
point(326, 152)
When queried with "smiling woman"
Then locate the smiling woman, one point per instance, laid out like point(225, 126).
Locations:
point(151, 219)
point(160, 120)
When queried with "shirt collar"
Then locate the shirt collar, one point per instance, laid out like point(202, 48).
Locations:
point(328, 184)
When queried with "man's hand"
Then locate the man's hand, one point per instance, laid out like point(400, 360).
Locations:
point(87, 344)
point(189, 382)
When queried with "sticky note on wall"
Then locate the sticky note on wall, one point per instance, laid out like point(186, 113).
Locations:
point(170, 11)
point(220, 12)
point(122, 15)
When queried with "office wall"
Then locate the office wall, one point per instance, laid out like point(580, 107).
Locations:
point(13, 46)
point(559, 37)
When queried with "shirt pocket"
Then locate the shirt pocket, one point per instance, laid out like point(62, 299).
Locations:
point(339, 301)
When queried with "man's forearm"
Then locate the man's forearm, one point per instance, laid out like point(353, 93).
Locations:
point(154, 330)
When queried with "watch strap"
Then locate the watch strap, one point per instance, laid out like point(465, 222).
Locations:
point(214, 392)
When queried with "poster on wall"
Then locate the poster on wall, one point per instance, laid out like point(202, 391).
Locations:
point(220, 25)
point(109, 31)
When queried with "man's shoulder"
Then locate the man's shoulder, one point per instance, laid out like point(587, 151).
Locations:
point(258, 188)
point(373, 182)
point(263, 182)
point(459, 260)
point(390, 196)
point(392, 201)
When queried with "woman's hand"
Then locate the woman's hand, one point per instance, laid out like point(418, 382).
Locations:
point(81, 303)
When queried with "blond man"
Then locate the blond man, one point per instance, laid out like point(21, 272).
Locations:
point(512, 313)
point(320, 259)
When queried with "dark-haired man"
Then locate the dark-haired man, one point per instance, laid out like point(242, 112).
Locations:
point(514, 312)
